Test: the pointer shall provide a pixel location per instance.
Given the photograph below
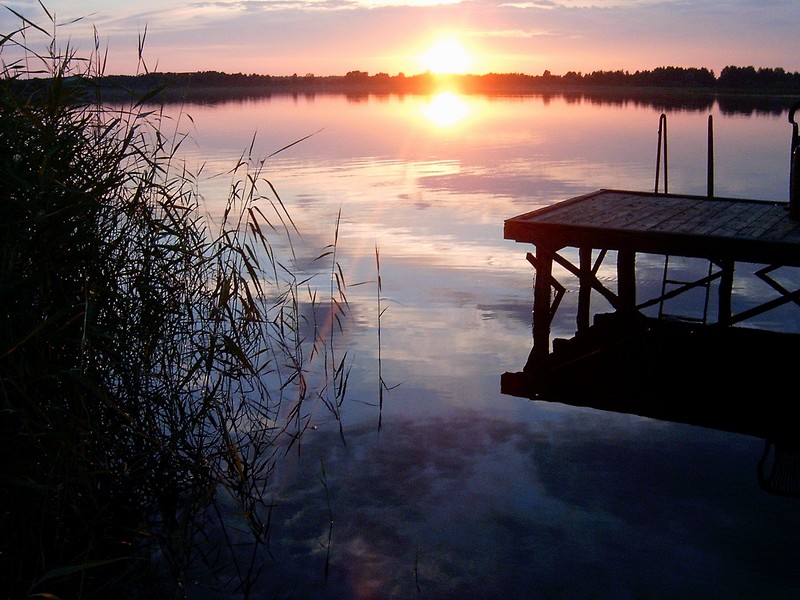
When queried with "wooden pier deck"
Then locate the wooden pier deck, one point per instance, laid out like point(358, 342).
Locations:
point(680, 225)
point(629, 357)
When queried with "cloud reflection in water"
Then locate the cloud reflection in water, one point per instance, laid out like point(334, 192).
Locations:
point(466, 506)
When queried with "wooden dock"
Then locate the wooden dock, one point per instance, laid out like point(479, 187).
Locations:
point(628, 352)
point(669, 224)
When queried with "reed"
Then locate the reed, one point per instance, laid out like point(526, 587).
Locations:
point(152, 363)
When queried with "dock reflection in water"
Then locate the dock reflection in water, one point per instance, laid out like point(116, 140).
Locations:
point(734, 380)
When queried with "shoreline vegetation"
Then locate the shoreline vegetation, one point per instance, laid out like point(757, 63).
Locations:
point(156, 365)
point(736, 89)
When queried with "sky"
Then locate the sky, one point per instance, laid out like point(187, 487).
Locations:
point(333, 37)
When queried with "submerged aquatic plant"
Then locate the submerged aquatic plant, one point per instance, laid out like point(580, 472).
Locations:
point(151, 362)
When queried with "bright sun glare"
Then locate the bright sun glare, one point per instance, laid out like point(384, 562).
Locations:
point(446, 109)
point(446, 56)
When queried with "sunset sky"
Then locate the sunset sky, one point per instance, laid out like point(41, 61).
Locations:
point(332, 37)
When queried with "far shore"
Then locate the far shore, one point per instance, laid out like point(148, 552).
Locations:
point(736, 90)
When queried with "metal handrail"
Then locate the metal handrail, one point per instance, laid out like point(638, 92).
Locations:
point(794, 166)
point(662, 141)
point(710, 174)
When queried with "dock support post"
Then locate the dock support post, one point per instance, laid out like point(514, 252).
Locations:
point(725, 292)
point(584, 289)
point(542, 315)
point(626, 281)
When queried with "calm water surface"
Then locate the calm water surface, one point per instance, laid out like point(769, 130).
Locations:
point(466, 492)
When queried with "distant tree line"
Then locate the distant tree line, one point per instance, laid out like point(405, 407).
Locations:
point(732, 79)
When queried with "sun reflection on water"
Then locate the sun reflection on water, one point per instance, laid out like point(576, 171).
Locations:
point(446, 109)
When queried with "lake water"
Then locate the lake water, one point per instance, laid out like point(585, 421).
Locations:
point(465, 492)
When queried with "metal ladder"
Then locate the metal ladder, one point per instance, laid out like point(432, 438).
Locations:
point(673, 287)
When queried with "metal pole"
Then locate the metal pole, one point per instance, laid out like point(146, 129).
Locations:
point(710, 156)
point(662, 141)
point(794, 167)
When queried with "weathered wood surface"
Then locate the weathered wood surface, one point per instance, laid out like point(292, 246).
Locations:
point(680, 225)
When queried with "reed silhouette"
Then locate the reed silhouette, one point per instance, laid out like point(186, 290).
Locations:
point(154, 364)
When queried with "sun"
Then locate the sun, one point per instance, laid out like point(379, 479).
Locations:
point(446, 56)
